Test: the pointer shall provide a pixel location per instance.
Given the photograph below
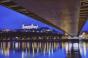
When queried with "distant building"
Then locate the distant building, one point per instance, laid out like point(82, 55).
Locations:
point(6, 30)
point(30, 26)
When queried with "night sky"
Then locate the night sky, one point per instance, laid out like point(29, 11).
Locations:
point(13, 20)
point(85, 27)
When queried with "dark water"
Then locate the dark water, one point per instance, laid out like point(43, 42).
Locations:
point(43, 50)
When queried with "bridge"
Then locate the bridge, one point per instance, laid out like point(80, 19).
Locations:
point(66, 15)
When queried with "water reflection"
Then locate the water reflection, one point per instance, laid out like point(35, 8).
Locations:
point(43, 50)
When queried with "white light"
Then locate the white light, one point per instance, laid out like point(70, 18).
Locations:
point(75, 45)
point(70, 46)
point(52, 51)
point(16, 45)
point(66, 47)
point(29, 26)
point(49, 52)
point(84, 48)
point(17, 37)
point(22, 54)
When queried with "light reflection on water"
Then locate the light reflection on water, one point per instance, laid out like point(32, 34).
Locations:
point(43, 50)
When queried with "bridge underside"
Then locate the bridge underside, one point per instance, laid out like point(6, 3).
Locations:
point(62, 14)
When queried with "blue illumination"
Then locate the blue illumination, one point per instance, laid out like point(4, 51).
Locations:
point(84, 54)
point(60, 53)
point(14, 20)
point(85, 27)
